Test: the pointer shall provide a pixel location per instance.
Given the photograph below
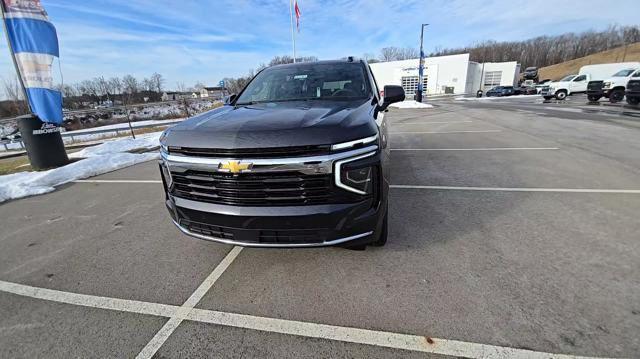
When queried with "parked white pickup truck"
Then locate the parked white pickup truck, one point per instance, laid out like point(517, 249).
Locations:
point(613, 87)
point(565, 87)
point(579, 83)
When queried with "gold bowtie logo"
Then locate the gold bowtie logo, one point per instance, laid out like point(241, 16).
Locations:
point(234, 166)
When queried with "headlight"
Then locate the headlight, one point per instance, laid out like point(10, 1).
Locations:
point(351, 144)
point(354, 177)
point(607, 85)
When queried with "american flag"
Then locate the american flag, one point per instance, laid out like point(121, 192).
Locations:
point(298, 14)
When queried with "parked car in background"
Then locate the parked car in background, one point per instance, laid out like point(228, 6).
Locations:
point(565, 87)
point(603, 73)
point(500, 91)
point(613, 87)
point(530, 73)
point(633, 91)
point(526, 90)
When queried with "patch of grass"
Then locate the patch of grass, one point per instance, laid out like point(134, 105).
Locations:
point(14, 165)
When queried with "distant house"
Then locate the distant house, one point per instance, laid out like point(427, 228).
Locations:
point(212, 92)
point(173, 96)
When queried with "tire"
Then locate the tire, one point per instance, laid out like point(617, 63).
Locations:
point(594, 98)
point(384, 234)
point(561, 95)
point(633, 100)
point(616, 96)
point(548, 97)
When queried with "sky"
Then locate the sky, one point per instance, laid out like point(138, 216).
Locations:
point(192, 41)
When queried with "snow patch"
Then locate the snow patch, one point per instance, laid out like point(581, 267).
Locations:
point(97, 160)
point(411, 104)
point(146, 141)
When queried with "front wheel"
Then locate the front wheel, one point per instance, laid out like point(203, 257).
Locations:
point(616, 96)
point(594, 98)
point(561, 95)
point(633, 100)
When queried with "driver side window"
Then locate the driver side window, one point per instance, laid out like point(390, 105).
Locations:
point(580, 78)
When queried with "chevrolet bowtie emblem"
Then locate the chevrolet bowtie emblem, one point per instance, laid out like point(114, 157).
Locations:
point(234, 166)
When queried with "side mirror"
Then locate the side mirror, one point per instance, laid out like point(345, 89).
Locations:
point(392, 94)
point(229, 99)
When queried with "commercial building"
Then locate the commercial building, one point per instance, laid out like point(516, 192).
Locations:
point(453, 74)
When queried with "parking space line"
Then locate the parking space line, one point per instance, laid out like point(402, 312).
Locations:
point(444, 132)
point(428, 123)
point(480, 149)
point(273, 325)
point(165, 332)
point(502, 189)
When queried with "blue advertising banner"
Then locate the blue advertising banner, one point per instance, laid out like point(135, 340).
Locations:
point(34, 43)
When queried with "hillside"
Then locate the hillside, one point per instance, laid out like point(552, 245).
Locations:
point(557, 71)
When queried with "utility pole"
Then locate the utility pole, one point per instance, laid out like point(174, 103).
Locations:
point(421, 66)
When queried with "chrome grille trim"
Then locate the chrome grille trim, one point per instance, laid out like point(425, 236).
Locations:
point(308, 165)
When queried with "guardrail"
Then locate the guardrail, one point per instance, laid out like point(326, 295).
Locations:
point(73, 135)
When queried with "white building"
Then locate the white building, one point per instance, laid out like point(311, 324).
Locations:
point(446, 74)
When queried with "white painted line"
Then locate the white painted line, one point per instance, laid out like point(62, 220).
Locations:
point(499, 189)
point(480, 149)
point(118, 181)
point(273, 325)
point(445, 132)
point(429, 123)
point(565, 109)
point(163, 334)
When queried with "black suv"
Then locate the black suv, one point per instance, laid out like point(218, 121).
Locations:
point(298, 159)
point(530, 73)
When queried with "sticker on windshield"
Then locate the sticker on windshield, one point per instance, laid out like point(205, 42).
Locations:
point(300, 77)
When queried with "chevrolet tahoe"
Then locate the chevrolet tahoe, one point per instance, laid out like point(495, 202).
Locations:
point(299, 158)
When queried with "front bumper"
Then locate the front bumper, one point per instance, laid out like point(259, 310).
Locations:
point(275, 226)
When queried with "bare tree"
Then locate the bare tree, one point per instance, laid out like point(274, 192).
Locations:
point(13, 92)
point(116, 85)
point(398, 53)
point(183, 99)
point(157, 82)
point(130, 85)
point(549, 50)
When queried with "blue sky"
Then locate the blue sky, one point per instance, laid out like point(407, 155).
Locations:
point(190, 41)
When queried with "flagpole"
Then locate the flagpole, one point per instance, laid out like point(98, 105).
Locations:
point(13, 57)
point(293, 33)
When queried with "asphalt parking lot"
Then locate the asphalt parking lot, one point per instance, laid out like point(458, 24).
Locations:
point(514, 232)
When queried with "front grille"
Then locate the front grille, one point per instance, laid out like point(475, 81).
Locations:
point(255, 189)
point(296, 236)
point(595, 85)
point(633, 85)
point(207, 229)
point(239, 153)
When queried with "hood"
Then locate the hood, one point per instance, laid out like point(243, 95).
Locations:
point(281, 124)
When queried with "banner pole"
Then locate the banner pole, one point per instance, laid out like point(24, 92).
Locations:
point(293, 35)
point(13, 57)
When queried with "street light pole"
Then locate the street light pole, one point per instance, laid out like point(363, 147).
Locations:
point(421, 67)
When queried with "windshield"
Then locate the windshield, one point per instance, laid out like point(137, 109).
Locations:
point(568, 78)
point(624, 73)
point(336, 81)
